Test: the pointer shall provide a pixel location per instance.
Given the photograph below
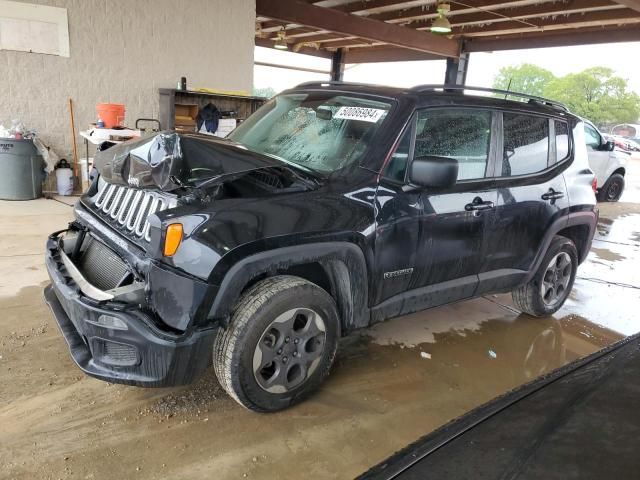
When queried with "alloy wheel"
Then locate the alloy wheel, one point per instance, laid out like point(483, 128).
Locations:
point(555, 280)
point(289, 350)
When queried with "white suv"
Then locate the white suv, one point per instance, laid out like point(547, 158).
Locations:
point(607, 162)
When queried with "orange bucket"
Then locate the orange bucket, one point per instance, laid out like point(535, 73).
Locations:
point(112, 114)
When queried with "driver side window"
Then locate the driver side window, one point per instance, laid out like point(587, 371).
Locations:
point(461, 134)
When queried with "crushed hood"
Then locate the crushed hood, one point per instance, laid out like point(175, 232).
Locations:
point(169, 160)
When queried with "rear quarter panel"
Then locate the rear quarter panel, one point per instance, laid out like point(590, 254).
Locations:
point(579, 175)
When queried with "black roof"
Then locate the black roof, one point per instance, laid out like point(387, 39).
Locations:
point(451, 92)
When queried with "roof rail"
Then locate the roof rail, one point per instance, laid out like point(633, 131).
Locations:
point(334, 82)
point(506, 93)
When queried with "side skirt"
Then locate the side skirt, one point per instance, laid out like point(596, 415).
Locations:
point(425, 297)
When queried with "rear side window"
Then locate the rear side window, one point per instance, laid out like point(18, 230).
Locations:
point(463, 135)
point(526, 144)
point(562, 140)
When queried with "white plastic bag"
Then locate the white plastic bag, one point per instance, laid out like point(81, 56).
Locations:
point(50, 157)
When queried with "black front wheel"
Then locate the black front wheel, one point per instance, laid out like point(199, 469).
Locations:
point(612, 189)
point(279, 345)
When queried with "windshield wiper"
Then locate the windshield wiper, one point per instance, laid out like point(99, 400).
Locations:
point(309, 179)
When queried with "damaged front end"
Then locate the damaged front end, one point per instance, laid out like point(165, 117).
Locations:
point(170, 161)
point(99, 303)
point(129, 313)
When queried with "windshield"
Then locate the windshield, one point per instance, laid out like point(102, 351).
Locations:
point(320, 131)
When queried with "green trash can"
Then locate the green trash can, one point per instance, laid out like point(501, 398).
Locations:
point(22, 170)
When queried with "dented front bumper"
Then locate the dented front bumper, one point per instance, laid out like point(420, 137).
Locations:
point(117, 341)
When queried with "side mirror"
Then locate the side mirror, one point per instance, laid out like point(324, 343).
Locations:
point(434, 172)
point(608, 146)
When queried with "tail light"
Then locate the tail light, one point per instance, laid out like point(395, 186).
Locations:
point(594, 184)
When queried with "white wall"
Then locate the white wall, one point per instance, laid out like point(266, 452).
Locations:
point(122, 51)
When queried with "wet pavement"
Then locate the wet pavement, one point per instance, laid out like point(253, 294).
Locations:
point(390, 385)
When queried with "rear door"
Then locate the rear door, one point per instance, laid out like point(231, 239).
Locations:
point(531, 195)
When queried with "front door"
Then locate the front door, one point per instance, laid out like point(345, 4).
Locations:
point(454, 222)
point(429, 244)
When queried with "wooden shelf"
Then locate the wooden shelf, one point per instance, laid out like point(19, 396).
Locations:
point(242, 105)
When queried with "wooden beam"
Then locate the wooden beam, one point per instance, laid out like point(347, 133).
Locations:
point(552, 39)
point(466, 7)
point(289, 67)
point(476, 16)
point(265, 42)
point(386, 54)
point(530, 12)
point(602, 18)
point(561, 21)
point(632, 4)
point(295, 11)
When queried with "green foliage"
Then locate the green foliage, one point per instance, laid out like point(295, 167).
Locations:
point(267, 92)
point(525, 78)
point(595, 93)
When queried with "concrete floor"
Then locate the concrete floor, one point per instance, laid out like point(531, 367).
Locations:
point(390, 385)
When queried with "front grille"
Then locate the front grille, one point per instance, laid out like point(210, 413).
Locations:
point(130, 208)
point(102, 267)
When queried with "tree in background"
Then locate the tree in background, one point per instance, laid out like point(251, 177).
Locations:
point(266, 92)
point(595, 93)
point(525, 78)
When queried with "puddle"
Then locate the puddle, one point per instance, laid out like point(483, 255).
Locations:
point(606, 254)
point(623, 228)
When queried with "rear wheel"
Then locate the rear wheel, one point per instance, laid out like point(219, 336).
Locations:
point(552, 283)
point(279, 345)
point(612, 189)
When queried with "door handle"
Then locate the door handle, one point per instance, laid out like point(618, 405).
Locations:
point(552, 195)
point(478, 205)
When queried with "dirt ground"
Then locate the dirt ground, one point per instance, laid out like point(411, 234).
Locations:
point(391, 384)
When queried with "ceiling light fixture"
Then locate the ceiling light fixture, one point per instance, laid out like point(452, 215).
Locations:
point(442, 24)
point(281, 41)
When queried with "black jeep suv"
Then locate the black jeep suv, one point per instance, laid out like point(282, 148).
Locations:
point(333, 207)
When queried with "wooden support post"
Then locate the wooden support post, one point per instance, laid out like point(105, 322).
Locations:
point(337, 65)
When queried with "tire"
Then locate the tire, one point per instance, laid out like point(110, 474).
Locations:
point(529, 298)
point(277, 325)
point(612, 189)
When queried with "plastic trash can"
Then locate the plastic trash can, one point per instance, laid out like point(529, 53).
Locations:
point(21, 170)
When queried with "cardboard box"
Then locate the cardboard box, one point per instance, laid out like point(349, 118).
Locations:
point(185, 117)
point(186, 110)
point(185, 121)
